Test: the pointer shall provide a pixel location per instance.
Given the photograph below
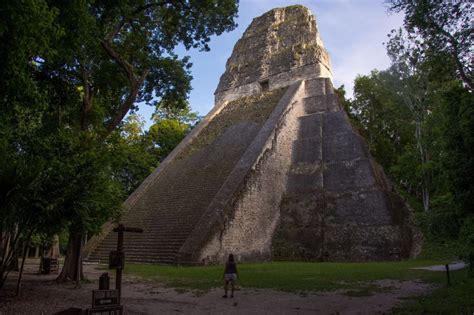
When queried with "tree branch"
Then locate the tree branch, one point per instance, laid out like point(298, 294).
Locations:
point(88, 95)
point(127, 104)
point(454, 53)
point(124, 64)
point(118, 27)
point(135, 83)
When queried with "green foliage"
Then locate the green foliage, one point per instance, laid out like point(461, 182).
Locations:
point(138, 152)
point(418, 118)
point(171, 125)
point(167, 134)
point(458, 140)
point(442, 26)
point(385, 114)
point(27, 32)
point(466, 237)
point(436, 248)
point(455, 299)
point(133, 157)
point(41, 239)
point(70, 71)
point(384, 123)
point(341, 93)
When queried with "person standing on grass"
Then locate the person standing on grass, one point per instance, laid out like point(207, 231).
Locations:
point(230, 275)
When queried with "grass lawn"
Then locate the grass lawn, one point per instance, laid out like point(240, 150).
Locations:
point(301, 277)
point(455, 299)
point(289, 276)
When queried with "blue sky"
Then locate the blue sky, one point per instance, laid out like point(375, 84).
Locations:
point(352, 31)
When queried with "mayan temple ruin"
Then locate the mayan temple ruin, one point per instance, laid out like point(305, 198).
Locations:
point(274, 171)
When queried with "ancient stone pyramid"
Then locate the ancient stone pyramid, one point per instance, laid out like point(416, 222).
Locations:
point(274, 171)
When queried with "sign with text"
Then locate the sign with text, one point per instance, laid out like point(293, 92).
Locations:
point(111, 310)
point(116, 259)
point(101, 298)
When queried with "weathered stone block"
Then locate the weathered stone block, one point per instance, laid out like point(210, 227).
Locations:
point(302, 210)
point(348, 175)
point(297, 244)
point(310, 126)
point(345, 146)
point(315, 104)
point(336, 123)
point(321, 103)
point(307, 150)
point(305, 182)
point(355, 242)
point(360, 207)
point(315, 87)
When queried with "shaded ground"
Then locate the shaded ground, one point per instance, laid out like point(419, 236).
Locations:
point(41, 295)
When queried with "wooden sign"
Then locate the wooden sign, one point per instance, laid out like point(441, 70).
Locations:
point(116, 259)
point(110, 310)
point(101, 298)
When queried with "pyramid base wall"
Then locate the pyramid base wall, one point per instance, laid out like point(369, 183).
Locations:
point(250, 219)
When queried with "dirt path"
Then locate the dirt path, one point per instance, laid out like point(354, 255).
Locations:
point(41, 295)
point(456, 265)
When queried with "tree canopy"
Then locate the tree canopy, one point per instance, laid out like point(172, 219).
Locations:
point(444, 26)
point(71, 71)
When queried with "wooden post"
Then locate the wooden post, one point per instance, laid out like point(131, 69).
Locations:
point(447, 273)
point(118, 271)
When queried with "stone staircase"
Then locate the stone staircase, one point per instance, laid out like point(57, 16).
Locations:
point(176, 200)
point(337, 204)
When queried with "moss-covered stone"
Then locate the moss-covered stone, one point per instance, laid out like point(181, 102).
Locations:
point(255, 108)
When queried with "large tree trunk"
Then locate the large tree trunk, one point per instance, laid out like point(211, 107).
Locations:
point(9, 256)
point(25, 250)
point(72, 269)
point(425, 180)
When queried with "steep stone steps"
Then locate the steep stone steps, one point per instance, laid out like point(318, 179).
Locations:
point(175, 201)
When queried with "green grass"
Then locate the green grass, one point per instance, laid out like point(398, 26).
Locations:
point(455, 299)
point(356, 279)
point(290, 276)
point(439, 249)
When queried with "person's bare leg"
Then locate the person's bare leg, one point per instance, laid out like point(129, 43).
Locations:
point(226, 287)
point(232, 289)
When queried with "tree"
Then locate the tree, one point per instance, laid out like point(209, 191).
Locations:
point(127, 57)
point(86, 65)
point(138, 152)
point(170, 127)
point(421, 101)
point(457, 138)
point(27, 30)
point(134, 157)
point(376, 108)
point(444, 26)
